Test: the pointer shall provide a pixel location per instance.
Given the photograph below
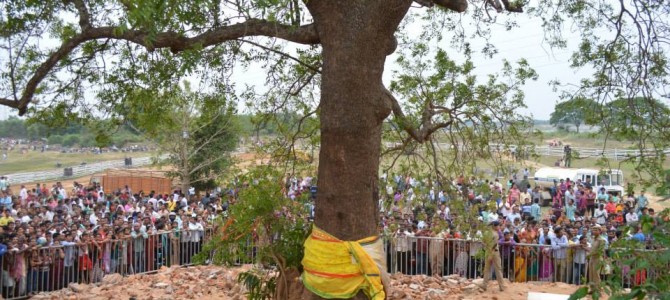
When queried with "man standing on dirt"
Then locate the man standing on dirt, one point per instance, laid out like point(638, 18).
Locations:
point(567, 151)
point(642, 202)
point(596, 257)
point(491, 238)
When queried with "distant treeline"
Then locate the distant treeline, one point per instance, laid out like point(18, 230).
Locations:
point(69, 135)
point(83, 136)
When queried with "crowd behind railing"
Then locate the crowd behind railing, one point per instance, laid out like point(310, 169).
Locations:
point(521, 262)
point(53, 236)
point(28, 269)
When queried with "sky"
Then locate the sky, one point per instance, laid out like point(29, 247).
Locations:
point(526, 41)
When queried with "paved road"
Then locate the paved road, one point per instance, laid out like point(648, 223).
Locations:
point(78, 171)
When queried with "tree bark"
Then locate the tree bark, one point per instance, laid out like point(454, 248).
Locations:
point(356, 37)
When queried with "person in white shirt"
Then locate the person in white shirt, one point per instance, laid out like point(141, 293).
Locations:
point(444, 210)
point(63, 192)
point(403, 250)
point(560, 246)
point(155, 214)
point(506, 210)
point(579, 253)
point(23, 218)
point(4, 183)
point(514, 215)
point(631, 217)
point(93, 219)
point(46, 214)
point(153, 202)
point(600, 214)
point(23, 194)
point(184, 202)
point(195, 230)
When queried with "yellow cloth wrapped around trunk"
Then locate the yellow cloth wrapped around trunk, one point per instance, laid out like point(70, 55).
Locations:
point(339, 269)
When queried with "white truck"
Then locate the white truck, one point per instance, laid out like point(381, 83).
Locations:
point(611, 180)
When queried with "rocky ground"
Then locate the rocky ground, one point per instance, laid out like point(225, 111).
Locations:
point(203, 282)
point(210, 282)
point(458, 288)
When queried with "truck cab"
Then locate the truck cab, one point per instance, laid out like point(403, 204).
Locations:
point(611, 180)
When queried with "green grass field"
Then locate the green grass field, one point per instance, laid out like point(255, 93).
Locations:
point(584, 140)
point(37, 161)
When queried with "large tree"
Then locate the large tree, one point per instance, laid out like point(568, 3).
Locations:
point(194, 131)
point(117, 46)
point(573, 112)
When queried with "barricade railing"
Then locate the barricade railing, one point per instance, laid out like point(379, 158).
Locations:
point(29, 270)
point(520, 262)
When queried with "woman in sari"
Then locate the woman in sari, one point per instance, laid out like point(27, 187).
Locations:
point(533, 261)
point(57, 256)
point(546, 265)
point(461, 264)
point(521, 262)
point(19, 270)
point(85, 262)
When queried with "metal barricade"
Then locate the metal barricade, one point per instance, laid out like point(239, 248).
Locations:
point(33, 270)
point(520, 262)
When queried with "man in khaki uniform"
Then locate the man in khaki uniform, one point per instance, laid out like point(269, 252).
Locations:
point(492, 256)
point(596, 257)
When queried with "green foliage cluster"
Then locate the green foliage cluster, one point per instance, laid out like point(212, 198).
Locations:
point(629, 258)
point(464, 113)
point(196, 131)
point(262, 222)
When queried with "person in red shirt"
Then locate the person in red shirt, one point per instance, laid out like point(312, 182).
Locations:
point(610, 207)
point(514, 195)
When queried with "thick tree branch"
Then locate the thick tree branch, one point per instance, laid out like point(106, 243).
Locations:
point(427, 126)
point(511, 7)
point(496, 4)
point(176, 42)
point(462, 5)
point(84, 16)
point(455, 5)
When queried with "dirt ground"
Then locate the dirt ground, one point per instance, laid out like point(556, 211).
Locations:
point(211, 282)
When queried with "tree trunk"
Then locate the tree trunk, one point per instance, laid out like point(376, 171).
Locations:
point(185, 183)
point(356, 37)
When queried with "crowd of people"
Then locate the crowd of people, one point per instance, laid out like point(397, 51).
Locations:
point(51, 236)
point(554, 243)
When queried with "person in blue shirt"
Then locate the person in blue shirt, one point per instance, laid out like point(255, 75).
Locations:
point(535, 210)
point(642, 201)
point(639, 235)
point(570, 210)
point(6, 200)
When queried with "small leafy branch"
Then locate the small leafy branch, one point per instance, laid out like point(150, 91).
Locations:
point(264, 228)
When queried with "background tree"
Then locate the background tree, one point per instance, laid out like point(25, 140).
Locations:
point(194, 132)
point(575, 111)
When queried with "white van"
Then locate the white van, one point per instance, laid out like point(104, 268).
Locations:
point(611, 180)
